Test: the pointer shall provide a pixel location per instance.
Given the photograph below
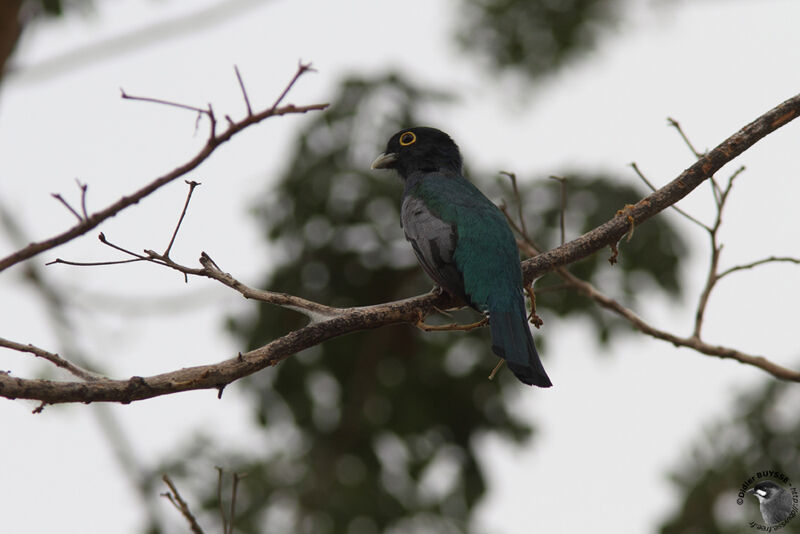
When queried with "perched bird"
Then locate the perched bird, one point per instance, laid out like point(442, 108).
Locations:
point(463, 241)
point(774, 500)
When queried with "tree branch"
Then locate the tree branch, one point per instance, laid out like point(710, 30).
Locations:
point(213, 142)
point(334, 322)
point(613, 230)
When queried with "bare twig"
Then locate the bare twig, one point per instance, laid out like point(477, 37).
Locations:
point(676, 208)
point(90, 263)
point(52, 357)
point(192, 184)
point(163, 102)
point(513, 177)
point(771, 259)
point(244, 91)
point(563, 211)
point(675, 124)
point(83, 188)
point(715, 189)
point(66, 204)
point(236, 478)
point(177, 501)
point(302, 68)
point(716, 251)
point(219, 500)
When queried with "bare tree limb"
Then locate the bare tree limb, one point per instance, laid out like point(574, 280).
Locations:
point(213, 142)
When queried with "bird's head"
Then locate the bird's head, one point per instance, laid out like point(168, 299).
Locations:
point(419, 149)
point(764, 491)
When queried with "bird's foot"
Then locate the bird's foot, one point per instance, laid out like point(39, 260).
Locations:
point(534, 319)
point(626, 211)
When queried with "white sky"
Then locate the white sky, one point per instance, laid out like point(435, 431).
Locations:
point(617, 420)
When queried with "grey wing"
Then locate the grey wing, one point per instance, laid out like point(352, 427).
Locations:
point(434, 242)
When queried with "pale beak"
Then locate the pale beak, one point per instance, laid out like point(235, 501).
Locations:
point(384, 161)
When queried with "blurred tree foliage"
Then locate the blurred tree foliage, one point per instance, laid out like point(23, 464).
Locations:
point(762, 436)
point(534, 37)
point(376, 431)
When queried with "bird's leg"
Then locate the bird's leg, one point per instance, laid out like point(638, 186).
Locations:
point(627, 211)
point(496, 368)
point(534, 319)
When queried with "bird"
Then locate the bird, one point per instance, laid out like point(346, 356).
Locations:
point(463, 241)
point(774, 500)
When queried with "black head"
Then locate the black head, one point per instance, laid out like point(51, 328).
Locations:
point(419, 149)
point(764, 491)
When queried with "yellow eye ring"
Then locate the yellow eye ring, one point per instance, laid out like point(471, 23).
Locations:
point(408, 138)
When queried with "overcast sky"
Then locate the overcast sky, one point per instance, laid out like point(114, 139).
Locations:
point(619, 417)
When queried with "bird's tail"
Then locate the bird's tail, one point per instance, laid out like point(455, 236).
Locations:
point(512, 340)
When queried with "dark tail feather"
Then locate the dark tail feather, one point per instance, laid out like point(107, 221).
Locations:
point(512, 340)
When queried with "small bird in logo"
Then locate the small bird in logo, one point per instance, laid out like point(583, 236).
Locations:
point(463, 241)
point(774, 500)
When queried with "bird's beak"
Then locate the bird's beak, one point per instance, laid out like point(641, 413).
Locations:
point(749, 491)
point(384, 161)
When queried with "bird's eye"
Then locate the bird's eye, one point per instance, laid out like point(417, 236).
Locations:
point(407, 138)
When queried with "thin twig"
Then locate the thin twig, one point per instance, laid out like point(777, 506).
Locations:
point(192, 184)
point(102, 237)
point(771, 259)
point(302, 68)
point(716, 251)
point(675, 124)
point(219, 500)
point(92, 263)
point(58, 197)
point(715, 189)
point(676, 208)
point(563, 189)
point(163, 102)
point(513, 177)
point(244, 92)
point(177, 501)
point(236, 478)
point(83, 188)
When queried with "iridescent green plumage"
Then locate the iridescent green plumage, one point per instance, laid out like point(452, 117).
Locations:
point(463, 241)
